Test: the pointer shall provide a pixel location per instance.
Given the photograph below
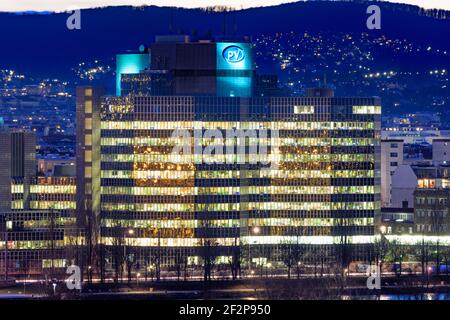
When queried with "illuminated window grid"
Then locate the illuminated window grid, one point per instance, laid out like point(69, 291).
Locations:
point(325, 171)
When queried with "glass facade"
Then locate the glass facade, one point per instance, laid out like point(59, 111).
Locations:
point(318, 181)
point(45, 193)
point(39, 242)
point(39, 233)
point(130, 63)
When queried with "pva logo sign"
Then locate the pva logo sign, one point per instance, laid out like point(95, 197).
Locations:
point(233, 54)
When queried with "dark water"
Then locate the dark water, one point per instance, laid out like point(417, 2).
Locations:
point(403, 297)
point(424, 296)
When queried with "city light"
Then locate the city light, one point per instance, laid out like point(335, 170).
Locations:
point(144, 159)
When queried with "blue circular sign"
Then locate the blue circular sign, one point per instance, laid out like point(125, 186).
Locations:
point(233, 54)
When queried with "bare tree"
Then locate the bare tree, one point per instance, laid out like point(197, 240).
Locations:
point(208, 247)
point(156, 255)
point(156, 263)
point(437, 222)
point(118, 251)
point(446, 259)
point(75, 248)
point(180, 259)
point(422, 252)
point(291, 254)
point(342, 247)
point(287, 253)
point(130, 258)
point(397, 253)
point(208, 255)
point(380, 251)
point(101, 260)
point(235, 260)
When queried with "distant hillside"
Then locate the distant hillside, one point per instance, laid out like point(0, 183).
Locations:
point(40, 43)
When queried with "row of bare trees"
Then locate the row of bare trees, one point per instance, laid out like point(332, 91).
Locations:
point(295, 256)
point(425, 253)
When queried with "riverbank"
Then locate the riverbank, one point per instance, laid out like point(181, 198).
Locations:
point(263, 288)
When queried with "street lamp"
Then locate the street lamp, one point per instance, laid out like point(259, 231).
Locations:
point(130, 232)
point(152, 267)
point(137, 277)
point(256, 230)
point(268, 266)
point(90, 274)
point(54, 288)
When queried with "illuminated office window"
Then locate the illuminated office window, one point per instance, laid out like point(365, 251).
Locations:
point(88, 140)
point(88, 107)
point(88, 124)
point(304, 109)
point(366, 109)
point(88, 156)
point(88, 172)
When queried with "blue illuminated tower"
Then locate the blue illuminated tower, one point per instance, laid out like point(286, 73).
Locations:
point(181, 66)
point(130, 63)
point(235, 69)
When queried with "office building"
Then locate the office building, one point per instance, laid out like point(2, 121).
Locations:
point(397, 221)
point(18, 156)
point(309, 173)
point(40, 233)
point(56, 166)
point(431, 212)
point(130, 63)
point(181, 66)
point(391, 159)
point(88, 165)
point(441, 151)
point(403, 184)
point(5, 170)
point(37, 243)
